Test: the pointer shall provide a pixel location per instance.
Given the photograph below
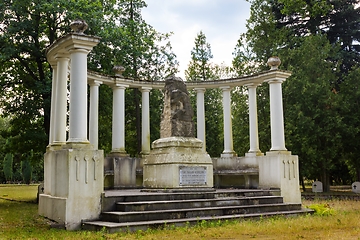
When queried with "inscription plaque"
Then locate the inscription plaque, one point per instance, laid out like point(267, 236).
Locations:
point(192, 175)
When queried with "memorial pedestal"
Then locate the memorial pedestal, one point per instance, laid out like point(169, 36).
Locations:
point(73, 183)
point(178, 163)
point(280, 170)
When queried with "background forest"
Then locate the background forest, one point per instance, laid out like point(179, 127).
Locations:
point(317, 40)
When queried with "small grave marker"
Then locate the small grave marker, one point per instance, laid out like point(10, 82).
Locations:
point(317, 186)
point(355, 187)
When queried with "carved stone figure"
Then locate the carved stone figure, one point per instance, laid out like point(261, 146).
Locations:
point(177, 113)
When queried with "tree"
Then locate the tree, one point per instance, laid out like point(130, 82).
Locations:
point(350, 105)
point(146, 55)
point(201, 69)
point(318, 42)
point(8, 167)
point(26, 171)
point(26, 29)
point(313, 124)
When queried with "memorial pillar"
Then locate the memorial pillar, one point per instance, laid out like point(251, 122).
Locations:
point(94, 114)
point(228, 140)
point(276, 116)
point(145, 123)
point(78, 95)
point(200, 116)
point(118, 120)
point(61, 100)
point(53, 104)
point(253, 120)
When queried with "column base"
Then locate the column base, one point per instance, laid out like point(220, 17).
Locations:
point(229, 154)
point(254, 154)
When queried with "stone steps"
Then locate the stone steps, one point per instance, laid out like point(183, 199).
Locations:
point(131, 211)
point(195, 203)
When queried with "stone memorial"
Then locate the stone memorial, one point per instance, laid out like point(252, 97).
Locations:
point(177, 160)
point(317, 186)
point(355, 187)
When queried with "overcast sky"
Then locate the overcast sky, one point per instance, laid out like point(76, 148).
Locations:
point(222, 22)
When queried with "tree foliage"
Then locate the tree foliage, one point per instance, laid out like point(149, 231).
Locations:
point(317, 41)
point(8, 167)
point(28, 27)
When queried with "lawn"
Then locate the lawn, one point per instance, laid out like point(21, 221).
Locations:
point(19, 220)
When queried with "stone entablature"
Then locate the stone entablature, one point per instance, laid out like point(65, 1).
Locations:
point(256, 79)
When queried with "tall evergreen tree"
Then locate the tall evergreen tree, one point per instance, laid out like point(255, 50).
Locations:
point(200, 68)
point(8, 167)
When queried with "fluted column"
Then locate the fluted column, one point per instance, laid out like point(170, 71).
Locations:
point(276, 116)
point(94, 114)
point(228, 138)
point(253, 120)
point(78, 96)
point(145, 121)
point(200, 115)
point(53, 99)
point(118, 120)
point(61, 100)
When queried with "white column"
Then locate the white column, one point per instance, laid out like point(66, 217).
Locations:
point(78, 96)
point(228, 140)
point(276, 116)
point(253, 119)
point(200, 115)
point(61, 100)
point(52, 107)
point(94, 114)
point(145, 120)
point(118, 120)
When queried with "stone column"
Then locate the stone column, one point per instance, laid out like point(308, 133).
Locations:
point(61, 100)
point(145, 124)
point(276, 116)
point(78, 96)
point(253, 120)
point(53, 99)
point(200, 115)
point(228, 140)
point(118, 120)
point(94, 114)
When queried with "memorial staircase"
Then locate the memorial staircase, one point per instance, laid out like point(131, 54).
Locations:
point(132, 210)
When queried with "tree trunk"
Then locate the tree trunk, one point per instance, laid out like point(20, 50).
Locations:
point(325, 180)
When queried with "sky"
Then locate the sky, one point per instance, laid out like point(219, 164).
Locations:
point(222, 22)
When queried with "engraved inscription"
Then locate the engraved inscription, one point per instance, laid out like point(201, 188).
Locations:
point(192, 175)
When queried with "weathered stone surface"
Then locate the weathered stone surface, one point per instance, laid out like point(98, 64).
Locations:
point(178, 113)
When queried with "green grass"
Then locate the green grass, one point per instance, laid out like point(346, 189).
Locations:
point(19, 220)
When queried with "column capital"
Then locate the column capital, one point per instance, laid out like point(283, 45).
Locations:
point(119, 86)
point(225, 88)
point(58, 56)
point(79, 50)
point(252, 85)
point(95, 82)
point(200, 89)
point(145, 89)
point(275, 80)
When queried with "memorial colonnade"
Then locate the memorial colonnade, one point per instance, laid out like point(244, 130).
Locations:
point(77, 114)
